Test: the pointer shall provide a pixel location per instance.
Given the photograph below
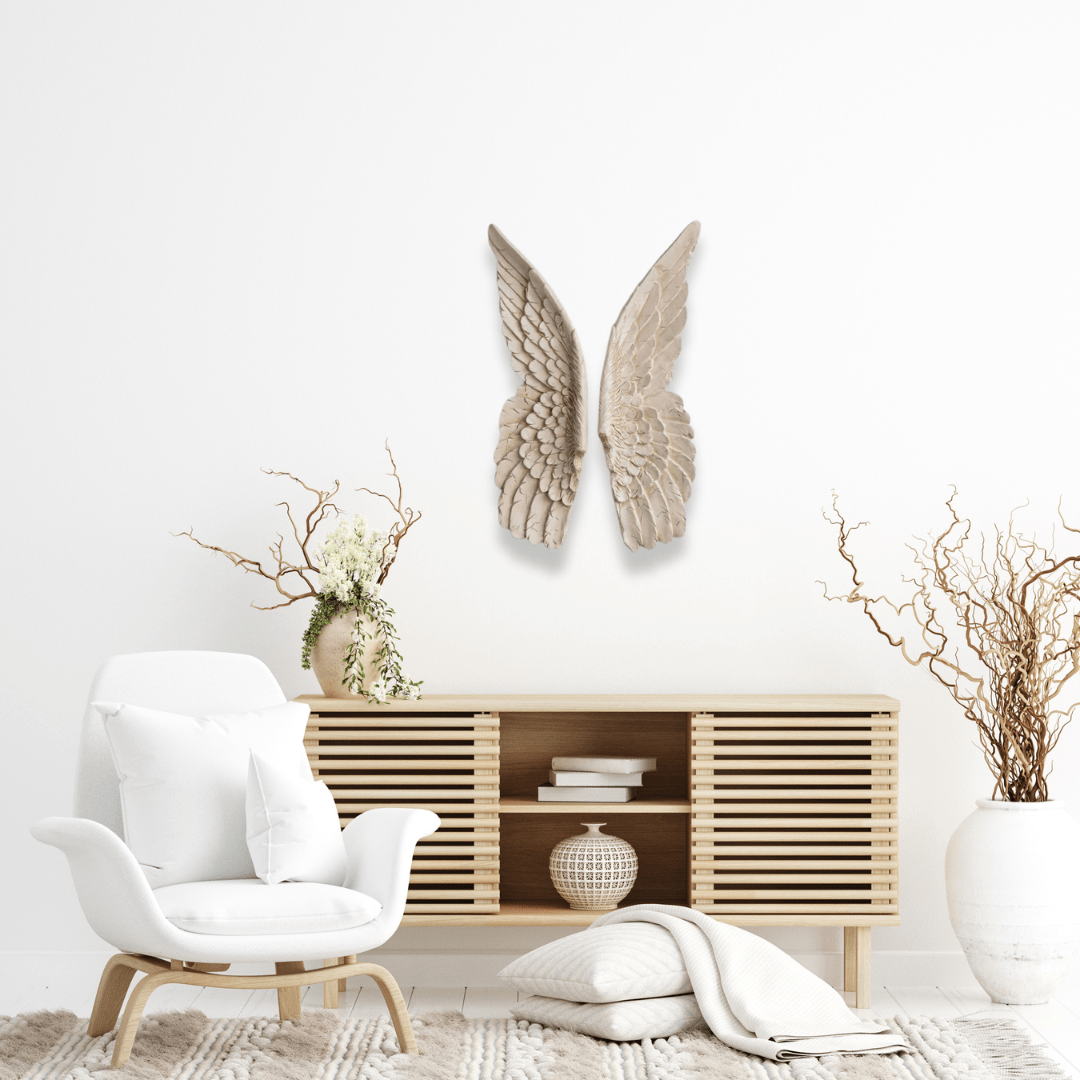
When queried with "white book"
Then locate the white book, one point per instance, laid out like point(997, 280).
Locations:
point(594, 779)
point(604, 764)
point(547, 793)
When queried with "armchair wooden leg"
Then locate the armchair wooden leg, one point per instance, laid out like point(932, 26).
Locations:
point(391, 993)
point(111, 991)
point(129, 1024)
point(288, 997)
point(331, 987)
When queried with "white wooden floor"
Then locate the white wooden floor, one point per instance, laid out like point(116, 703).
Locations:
point(69, 983)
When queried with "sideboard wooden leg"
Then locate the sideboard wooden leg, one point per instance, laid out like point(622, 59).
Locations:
point(857, 964)
point(849, 958)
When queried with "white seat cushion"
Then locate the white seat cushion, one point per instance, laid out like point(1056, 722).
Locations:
point(248, 906)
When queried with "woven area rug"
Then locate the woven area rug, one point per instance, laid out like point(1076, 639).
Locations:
point(324, 1046)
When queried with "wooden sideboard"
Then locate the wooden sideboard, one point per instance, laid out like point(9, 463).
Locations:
point(765, 810)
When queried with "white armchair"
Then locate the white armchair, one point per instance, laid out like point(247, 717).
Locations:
point(191, 932)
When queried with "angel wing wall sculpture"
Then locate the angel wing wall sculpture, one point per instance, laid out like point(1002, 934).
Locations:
point(646, 433)
point(542, 427)
point(645, 430)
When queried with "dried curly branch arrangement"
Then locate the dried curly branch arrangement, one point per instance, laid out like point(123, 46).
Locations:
point(286, 571)
point(1012, 608)
point(323, 508)
point(345, 576)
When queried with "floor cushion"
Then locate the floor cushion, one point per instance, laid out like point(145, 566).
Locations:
point(603, 963)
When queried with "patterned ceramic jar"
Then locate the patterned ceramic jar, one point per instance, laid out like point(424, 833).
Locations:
point(593, 871)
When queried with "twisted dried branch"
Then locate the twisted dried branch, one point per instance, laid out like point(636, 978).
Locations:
point(1013, 610)
point(285, 570)
point(407, 517)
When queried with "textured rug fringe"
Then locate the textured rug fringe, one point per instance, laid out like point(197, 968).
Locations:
point(325, 1045)
point(1007, 1049)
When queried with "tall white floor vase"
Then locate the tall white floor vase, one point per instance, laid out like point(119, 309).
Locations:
point(1012, 878)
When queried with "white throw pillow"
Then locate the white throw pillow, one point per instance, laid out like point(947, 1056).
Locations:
point(603, 963)
point(293, 832)
point(619, 1021)
point(183, 783)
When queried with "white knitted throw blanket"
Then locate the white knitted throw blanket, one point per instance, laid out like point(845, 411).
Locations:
point(754, 996)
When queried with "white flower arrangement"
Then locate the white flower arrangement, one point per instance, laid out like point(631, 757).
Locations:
point(352, 558)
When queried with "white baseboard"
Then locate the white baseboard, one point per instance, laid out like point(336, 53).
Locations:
point(481, 969)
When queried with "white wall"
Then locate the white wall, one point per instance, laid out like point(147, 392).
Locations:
point(244, 235)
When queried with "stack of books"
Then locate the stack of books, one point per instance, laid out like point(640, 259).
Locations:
point(594, 779)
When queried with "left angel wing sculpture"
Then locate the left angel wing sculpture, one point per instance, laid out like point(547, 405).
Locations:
point(542, 427)
point(644, 428)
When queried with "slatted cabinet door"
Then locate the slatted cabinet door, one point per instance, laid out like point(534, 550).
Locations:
point(794, 817)
point(441, 762)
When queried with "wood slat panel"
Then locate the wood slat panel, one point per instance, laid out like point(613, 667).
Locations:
point(390, 736)
point(705, 724)
point(791, 894)
point(883, 790)
point(417, 796)
point(767, 731)
point(448, 764)
point(353, 808)
point(795, 908)
point(809, 753)
point(464, 780)
point(427, 895)
point(439, 765)
point(431, 876)
point(462, 834)
point(780, 836)
point(476, 908)
point(793, 878)
point(722, 823)
point(793, 849)
point(704, 786)
point(479, 847)
point(380, 756)
point(800, 769)
point(764, 865)
point(778, 806)
point(722, 763)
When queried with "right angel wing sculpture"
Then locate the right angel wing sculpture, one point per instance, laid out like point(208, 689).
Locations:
point(645, 430)
point(646, 433)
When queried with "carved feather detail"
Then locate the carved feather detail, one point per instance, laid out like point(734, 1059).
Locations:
point(645, 430)
point(542, 427)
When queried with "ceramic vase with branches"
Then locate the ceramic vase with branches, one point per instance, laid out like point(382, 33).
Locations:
point(996, 621)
